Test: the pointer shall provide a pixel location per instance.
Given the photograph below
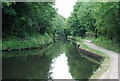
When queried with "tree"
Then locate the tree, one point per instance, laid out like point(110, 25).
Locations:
point(31, 19)
point(97, 19)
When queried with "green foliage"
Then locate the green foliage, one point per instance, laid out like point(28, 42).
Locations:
point(107, 43)
point(59, 24)
point(74, 26)
point(23, 21)
point(32, 18)
point(35, 41)
point(96, 19)
point(76, 38)
point(57, 28)
point(24, 53)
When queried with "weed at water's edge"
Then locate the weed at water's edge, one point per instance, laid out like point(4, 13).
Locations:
point(29, 42)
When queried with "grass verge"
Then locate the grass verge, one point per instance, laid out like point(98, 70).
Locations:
point(29, 42)
point(105, 64)
point(105, 43)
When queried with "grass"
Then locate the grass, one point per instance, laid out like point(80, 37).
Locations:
point(90, 49)
point(98, 73)
point(106, 43)
point(29, 42)
point(39, 52)
point(105, 63)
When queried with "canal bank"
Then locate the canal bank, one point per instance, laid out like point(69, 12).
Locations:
point(109, 67)
point(90, 51)
point(36, 41)
point(105, 64)
point(52, 62)
point(110, 72)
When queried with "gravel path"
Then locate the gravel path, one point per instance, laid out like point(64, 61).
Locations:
point(112, 72)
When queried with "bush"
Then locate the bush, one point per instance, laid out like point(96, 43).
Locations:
point(106, 43)
point(76, 38)
point(35, 41)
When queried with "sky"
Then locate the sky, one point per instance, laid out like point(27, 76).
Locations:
point(65, 7)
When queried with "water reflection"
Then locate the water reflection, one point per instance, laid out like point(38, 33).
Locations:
point(26, 68)
point(60, 68)
point(56, 61)
point(31, 64)
point(80, 67)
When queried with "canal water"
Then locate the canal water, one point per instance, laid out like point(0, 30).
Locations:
point(55, 61)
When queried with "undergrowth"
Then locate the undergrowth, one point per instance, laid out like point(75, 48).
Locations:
point(34, 41)
point(106, 43)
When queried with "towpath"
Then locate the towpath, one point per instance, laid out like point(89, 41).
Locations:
point(112, 72)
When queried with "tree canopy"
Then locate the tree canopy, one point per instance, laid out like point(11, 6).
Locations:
point(96, 19)
point(27, 18)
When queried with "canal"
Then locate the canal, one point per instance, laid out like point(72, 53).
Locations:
point(59, 60)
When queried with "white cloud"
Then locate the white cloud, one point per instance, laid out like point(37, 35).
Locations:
point(65, 7)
